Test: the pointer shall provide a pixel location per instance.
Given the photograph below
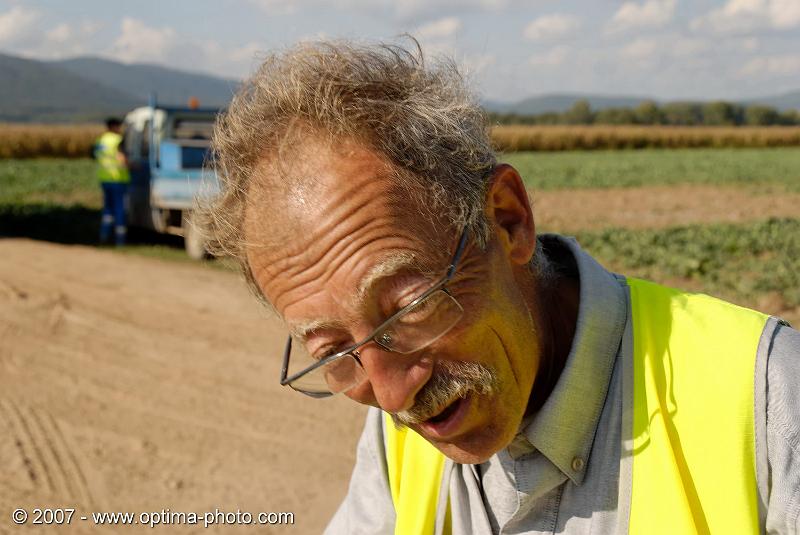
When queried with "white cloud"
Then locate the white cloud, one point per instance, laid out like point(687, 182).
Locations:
point(240, 61)
point(477, 64)
point(140, 42)
point(651, 14)
point(312, 37)
point(60, 34)
point(743, 16)
point(407, 11)
point(246, 53)
point(439, 29)
point(279, 7)
point(60, 41)
point(750, 44)
point(90, 27)
point(784, 13)
point(640, 49)
point(439, 37)
point(784, 65)
point(17, 25)
point(552, 58)
point(551, 27)
point(681, 46)
point(417, 9)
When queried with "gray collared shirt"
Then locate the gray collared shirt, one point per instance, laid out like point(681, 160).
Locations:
point(565, 471)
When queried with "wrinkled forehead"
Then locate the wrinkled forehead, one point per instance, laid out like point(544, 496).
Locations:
point(331, 214)
point(313, 189)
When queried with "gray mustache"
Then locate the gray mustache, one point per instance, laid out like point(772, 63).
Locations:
point(450, 380)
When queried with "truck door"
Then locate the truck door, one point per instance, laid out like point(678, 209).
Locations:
point(139, 163)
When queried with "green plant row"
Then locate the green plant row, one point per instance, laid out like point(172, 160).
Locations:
point(50, 180)
point(73, 180)
point(740, 260)
point(604, 169)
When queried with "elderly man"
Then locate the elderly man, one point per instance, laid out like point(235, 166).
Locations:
point(517, 386)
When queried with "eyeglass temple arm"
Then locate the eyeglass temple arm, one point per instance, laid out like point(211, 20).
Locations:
point(462, 242)
point(285, 366)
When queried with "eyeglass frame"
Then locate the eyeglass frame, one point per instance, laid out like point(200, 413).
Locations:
point(353, 350)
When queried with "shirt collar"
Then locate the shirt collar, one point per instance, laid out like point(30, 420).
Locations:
point(563, 429)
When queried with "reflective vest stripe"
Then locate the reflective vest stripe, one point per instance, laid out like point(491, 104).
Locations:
point(415, 475)
point(693, 439)
point(109, 168)
point(693, 422)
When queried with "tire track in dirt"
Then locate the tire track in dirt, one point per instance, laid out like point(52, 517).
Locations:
point(138, 384)
point(66, 458)
point(28, 448)
point(47, 456)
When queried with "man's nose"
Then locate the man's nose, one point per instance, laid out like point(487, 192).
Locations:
point(395, 378)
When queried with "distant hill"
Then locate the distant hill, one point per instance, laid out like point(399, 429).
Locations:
point(173, 86)
point(561, 102)
point(786, 101)
point(37, 91)
point(90, 89)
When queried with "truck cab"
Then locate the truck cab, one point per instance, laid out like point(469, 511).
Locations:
point(171, 167)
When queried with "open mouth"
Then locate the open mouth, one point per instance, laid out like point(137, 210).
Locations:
point(447, 412)
point(448, 423)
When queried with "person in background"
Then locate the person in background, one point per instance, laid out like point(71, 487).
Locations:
point(112, 171)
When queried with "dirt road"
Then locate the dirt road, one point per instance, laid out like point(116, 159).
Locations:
point(136, 384)
point(573, 210)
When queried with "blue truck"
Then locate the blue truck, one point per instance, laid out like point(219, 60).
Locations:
point(170, 161)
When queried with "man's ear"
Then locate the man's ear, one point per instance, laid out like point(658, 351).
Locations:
point(509, 211)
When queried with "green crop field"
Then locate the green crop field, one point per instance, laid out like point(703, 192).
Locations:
point(741, 262)
point(65, 181)
point(604, 169)
point(57, 181)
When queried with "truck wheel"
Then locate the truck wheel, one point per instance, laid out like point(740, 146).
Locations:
point(193, 241)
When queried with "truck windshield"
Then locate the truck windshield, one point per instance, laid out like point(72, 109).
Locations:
point(200, 128)
point(193, 157)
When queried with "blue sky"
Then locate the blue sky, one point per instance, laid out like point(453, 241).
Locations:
point(667, 49)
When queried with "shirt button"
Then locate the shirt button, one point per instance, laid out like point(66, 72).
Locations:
point(577, 464)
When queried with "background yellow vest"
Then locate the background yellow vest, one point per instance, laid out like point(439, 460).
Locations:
point(693, 423)
point(109, 168)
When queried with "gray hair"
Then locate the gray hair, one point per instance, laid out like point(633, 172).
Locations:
point(420, 116)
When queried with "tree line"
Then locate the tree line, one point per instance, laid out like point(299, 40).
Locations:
point(718, 113)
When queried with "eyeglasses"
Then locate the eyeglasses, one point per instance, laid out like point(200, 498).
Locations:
point(414, 327)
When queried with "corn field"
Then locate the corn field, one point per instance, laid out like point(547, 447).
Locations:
point(75, 141)
point(515, 138)
point(47, 140)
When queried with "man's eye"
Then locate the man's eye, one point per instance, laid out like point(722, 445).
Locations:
point(410, 294)
point(422, 310)
point(325, 351)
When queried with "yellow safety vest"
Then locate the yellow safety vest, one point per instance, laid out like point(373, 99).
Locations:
point(693, 423)
point(109, 168)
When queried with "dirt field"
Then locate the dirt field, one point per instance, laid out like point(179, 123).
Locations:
point(658, 206)
point(136, 384)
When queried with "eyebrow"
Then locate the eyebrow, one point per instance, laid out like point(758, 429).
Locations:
point(389, 266)
point(302, 329)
